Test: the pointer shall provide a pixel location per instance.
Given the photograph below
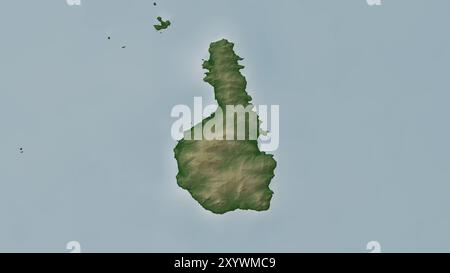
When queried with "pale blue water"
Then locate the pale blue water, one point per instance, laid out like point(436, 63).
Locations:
point(363, 92)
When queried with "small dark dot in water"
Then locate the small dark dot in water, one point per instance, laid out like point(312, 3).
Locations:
point(109, 38)
point(124, 46)
point(154, 3)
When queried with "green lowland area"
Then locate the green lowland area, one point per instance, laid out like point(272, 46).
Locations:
point(225, 175)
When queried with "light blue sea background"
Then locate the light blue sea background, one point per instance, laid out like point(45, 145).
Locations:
point(364, 137)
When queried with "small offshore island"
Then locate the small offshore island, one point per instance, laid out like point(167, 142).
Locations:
point(225, 175)
point(162, 24)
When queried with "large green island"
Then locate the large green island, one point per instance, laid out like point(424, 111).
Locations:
point(225, 175)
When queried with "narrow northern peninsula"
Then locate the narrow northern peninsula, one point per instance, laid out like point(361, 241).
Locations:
point(225, 175)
